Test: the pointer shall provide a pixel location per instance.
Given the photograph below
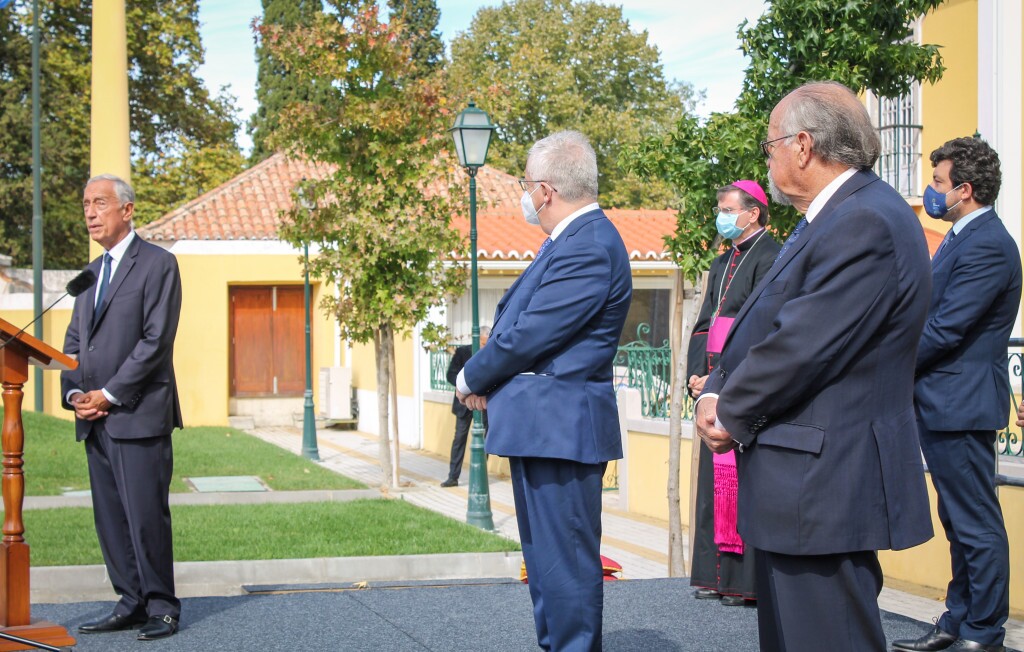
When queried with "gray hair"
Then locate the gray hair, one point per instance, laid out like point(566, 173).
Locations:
point(565, 160)
point(837, 121)
point(485, 331)
point(123, 189)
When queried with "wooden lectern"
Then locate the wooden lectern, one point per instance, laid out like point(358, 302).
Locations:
point(15, 613)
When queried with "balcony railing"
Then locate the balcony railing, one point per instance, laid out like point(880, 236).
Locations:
point(648, 369)
point(1008, 440)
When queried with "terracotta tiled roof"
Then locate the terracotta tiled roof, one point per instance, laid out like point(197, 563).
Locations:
point(248, 208)
point(505, 235)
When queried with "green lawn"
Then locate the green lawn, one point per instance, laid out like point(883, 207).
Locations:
point(55, 462)
point(306, 530)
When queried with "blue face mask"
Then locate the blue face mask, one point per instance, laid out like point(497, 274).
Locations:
point(935, 202)
point(726, 223)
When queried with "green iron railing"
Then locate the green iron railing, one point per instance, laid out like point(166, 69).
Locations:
point(648, 369)
point(439, 361)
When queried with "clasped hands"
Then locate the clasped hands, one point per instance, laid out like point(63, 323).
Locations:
point(90, 405)
point(472, 401)
point(705, 419)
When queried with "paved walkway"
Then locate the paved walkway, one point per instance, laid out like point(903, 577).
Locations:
point(637, 543)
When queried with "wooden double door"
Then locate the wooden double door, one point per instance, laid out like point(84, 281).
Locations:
point(267, 341)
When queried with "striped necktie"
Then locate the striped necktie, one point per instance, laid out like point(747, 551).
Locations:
point(791, 239)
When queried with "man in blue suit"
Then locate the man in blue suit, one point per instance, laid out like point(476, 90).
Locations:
point(816, 380)
point(545, 378)
point(963, 391)
point(125, 401)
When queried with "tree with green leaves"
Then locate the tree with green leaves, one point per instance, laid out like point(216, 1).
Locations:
point(862, 44)
point(537, 66)
point(420, 18)
point(276, 88)
point(173, 118)
point(385, 241)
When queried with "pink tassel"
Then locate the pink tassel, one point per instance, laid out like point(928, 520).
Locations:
point(726, 491)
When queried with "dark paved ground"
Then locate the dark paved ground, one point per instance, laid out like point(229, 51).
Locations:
point(640, 615)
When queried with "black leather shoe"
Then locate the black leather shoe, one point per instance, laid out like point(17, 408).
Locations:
point(112, 623)
point(450, 483)
point(964, 644)
point(158, 627)
point(937, 639)
point(733, 601)
point(707, 594)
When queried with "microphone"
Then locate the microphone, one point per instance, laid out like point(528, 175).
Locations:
point(85, 280)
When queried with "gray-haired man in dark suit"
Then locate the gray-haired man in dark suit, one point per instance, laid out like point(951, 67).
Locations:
point(126, 405)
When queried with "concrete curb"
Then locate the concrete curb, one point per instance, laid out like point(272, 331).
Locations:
point(221, 498)
point(62, 584)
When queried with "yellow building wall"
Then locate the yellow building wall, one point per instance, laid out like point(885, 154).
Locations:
point(647, 475)
point(202, 348)
point(949, 109)
point(364, 366)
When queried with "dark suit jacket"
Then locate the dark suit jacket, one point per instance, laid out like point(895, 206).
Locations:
point(962, 381)
point(458, 361)
point(547, 366)
point(816, 380)
point(130, 350)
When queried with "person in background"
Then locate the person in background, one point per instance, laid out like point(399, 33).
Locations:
point(962, 388)
point(463, 415)
point(723, 567)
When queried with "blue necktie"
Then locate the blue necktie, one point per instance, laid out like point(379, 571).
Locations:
point(543, 247)
point(791, 239)
point(945, 241)
point(104, 282)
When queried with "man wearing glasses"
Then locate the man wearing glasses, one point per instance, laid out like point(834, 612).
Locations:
point(545, 378)
point(815, 386)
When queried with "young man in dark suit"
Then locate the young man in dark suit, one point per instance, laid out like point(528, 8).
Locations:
point(963, 391)
point(545, 377)
point(816, 380)
point(126, 405)
point(463, 415)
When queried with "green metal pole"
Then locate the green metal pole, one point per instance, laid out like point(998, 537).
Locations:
point(37, 204)
point(309, 448)
point(478, 512)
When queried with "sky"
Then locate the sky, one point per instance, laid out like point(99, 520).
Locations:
point(697, 45)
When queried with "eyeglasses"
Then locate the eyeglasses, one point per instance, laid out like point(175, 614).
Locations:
point(523, 181)
point(765, 143)
point(715, 210)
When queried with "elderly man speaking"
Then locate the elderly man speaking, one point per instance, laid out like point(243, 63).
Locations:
point(815, 386)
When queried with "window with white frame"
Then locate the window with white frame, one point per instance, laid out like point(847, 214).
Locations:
point(899, 129)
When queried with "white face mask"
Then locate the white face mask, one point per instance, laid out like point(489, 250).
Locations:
point(530, 214)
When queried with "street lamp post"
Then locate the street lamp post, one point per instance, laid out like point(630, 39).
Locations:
point(309, 448)
point(472, 135)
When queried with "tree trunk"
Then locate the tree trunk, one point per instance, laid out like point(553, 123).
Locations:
point(695, 443)
point(394, 410)
point(382, 352)
point(676, 563)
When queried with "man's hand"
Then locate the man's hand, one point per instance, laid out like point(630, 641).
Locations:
point(91, 405)
point(1020, 414)
point(696, 384)
point(716, 439)
point(472, 401)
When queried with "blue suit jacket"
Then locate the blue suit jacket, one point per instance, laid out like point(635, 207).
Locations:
point(816, 380)
point(547, 367)
point(962, 381)
point(130, 349)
